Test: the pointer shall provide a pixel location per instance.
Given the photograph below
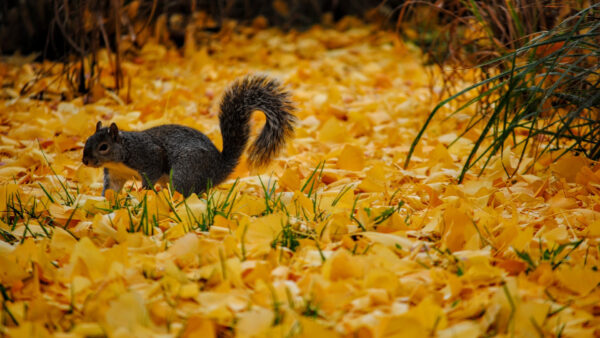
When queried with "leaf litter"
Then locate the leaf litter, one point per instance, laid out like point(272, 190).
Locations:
point(335, 238)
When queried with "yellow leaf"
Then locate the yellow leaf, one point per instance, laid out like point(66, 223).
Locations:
point(530, 317)
point(558, 235)
point(199, 326)
point(189, 290)
point(594, 229)
point(568, 166)
point(79, 283)
point(578, 279)
point(65, 214)
point(335, 227)
point(77, 121)
point(374, 180)
point(467, 329)
point(429, 314)
point(290, 179)
point(258, 234)
point(441, 155)
point(249, 205)
point(88, 329)
point(405, 326)
point(87, 260)
point(191, 209)
point(333, 130)
point(371, 185)
point(177, 230)
point(156, 204)
point(562, 202)
point(479, 269)
point(254, 270)
point(254, 322)
point(11, 172)
point(185, 249)
point(301, 205)
point(343, 265)
point(127, 312)
point(351, 158)
point(382, 279)
point(312, 328)
point(93, 204)
point(87, 176)
point(458, 229)
point(29, 329)
point(101, 225)
point(62, 243)
point(389, 240)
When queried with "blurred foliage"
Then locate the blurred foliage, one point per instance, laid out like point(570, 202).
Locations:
point(55, 28)
point(70, 31)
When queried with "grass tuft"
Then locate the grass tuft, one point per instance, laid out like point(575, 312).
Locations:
point(547, 98)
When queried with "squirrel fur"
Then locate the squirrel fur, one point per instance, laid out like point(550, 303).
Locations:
point(152, 155)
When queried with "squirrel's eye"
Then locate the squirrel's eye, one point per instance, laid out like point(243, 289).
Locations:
point(103, 148)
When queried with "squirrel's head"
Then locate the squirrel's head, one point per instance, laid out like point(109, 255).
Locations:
point(104, 146)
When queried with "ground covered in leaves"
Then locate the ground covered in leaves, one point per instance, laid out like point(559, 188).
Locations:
point(334, 238)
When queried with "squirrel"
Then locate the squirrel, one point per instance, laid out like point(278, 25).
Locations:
point(186, 155)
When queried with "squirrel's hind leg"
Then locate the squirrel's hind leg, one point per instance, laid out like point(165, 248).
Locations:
point(186, 187)
point(189, 179)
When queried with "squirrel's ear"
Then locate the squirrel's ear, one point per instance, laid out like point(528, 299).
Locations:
point(114, 131)
point(98, 125)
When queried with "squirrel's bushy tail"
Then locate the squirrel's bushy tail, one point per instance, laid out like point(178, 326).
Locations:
point(243, 97)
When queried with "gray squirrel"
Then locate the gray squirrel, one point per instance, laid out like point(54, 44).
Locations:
point(155, 154)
